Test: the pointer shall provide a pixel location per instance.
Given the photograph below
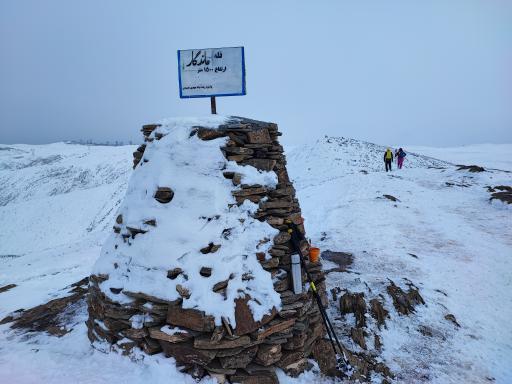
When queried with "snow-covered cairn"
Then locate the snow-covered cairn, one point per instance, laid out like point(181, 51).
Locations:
point(198, 265)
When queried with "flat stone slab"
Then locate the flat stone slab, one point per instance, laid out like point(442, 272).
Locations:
point(206, 343)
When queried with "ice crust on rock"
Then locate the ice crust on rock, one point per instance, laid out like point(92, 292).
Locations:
point(201, 209)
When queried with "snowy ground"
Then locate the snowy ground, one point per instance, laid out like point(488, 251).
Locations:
point(58, 200)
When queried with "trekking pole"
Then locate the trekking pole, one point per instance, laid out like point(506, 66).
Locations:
point(296, 237)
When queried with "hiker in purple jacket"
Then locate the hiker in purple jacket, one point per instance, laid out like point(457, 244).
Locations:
point(400, 155)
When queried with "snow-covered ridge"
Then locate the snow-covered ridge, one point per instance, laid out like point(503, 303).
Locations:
point(38, 171)
point(58, 192)
point(333, 157)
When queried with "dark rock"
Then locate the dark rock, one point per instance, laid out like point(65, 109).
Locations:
point(452, 318)
point(5, 288)
point(210, 134)
point(230, 351)
point(504, 196)
point(135, 231)
point(185, 353)
point(263, 377)
point(174, 273)
point(245, 323)
point(296, 368)
point(390, 197)
point(268, 354)
point(282, 283)
point(218, 334)
point(239, 158)
point(144, 296)
point(164, 195)
point(261, 164)
point(270, 264)
point(196, 371)
point(324, 354)
point(277, 327)
point(282, 238)
point(240, 360)
point(276, 204)
point(238, 139)
point(354, 303)
point(216, 367)
point(249, 191)
point(220, 285)
point(50, 317)
point(151, 346)
point(210, 248)
point(470, 168)
point(135, 334)
point(115, 325)
point(237, 150)
point(260, 136)
point(183, 291)
point(296, 342)
point(290, 357)
point(342, 259)
point(148, 128)
point(205, 342)
point(288, 297)
point(378, 312)
point(376, 342)
point(383, 369)
point(404, 302)
point(190, 318)
point(237, 179)
point(118, 312)
point(357, 335)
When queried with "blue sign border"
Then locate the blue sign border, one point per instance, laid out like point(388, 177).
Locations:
point(243, 93)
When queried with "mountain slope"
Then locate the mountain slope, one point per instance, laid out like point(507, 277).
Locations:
point(442, 235)
point(58, 192)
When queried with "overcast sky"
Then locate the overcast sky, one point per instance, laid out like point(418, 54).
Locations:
point(429, 72)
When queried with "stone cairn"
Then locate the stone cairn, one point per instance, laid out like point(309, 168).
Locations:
point(250, 352)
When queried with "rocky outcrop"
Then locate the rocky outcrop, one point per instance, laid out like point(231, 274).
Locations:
point(53, 316)
point(501, 192)
point(470, 168)
point(365, 320)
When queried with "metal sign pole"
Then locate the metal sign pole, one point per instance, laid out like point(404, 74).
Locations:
point(214, 105)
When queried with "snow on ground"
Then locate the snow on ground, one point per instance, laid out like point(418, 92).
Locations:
point(58, 201)
point(462, 242)
point(498, 156)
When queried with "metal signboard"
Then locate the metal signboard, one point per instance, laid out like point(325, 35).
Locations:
point(211, 72)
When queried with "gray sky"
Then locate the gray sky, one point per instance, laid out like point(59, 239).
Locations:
point(429, 72)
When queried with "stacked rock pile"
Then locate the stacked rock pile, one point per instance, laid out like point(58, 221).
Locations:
point(249, 352)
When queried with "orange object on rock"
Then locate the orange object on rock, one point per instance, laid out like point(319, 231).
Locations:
point(314, 254)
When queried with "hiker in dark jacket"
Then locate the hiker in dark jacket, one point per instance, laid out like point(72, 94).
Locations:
point(400, 156)
point(388, 159)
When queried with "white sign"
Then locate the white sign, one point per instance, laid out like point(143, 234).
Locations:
point(211, 72)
